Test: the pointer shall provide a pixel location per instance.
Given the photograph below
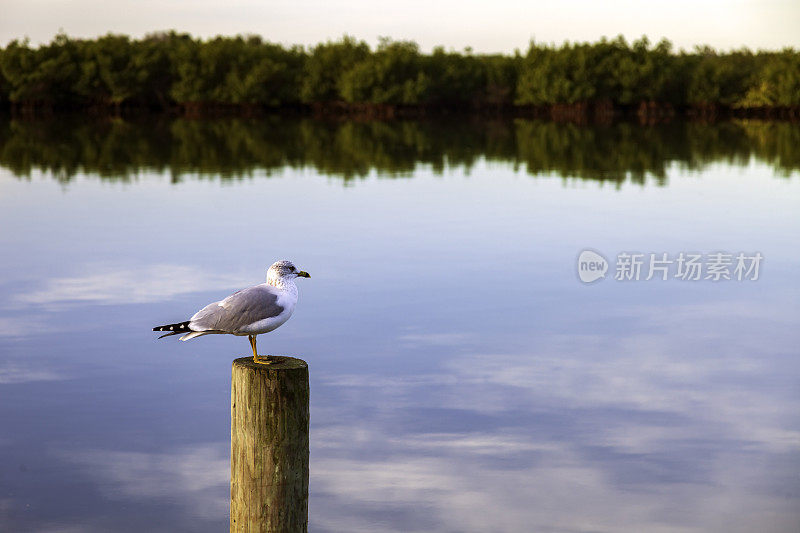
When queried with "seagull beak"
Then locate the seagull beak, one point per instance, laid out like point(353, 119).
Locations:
point(303, 274)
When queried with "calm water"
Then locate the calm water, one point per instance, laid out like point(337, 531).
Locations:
point(463, 379)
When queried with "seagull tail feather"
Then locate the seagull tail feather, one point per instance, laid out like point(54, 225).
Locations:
point(174, 329)
point(193, 334)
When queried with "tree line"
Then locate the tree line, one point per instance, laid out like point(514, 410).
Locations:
point(170, 70)
point(236, 148)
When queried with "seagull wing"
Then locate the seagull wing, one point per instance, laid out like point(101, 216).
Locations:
point(238, 310)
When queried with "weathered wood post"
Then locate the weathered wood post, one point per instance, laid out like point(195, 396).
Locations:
point(269, 446)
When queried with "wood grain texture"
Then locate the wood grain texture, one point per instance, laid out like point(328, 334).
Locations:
point(269, 446)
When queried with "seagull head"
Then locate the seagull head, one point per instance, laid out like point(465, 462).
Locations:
point(286, 270)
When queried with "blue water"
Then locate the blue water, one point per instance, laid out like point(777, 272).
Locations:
point(463, 379)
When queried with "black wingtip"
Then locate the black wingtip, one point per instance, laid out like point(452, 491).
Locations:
point(180, 327)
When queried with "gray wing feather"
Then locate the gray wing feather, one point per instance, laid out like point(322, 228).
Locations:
point(238, 310)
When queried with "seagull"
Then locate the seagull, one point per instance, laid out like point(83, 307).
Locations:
point(251, 311)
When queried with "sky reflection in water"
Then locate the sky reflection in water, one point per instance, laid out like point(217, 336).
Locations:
point(462, 378)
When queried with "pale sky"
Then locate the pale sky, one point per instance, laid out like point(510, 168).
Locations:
point(486, 26)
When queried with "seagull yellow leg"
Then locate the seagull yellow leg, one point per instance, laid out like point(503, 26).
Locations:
point(256, 357)
point(252, 339)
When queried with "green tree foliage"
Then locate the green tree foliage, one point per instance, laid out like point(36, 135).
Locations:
point(156, 71)
point(240, 70)
point(501, 79)
point(781, 74)
point(391, 75)
point(552, 75)
point(45, 75)
point(721, 78)
point(171, 69)
point(454, 79)
point(608, 71)
point(109, 70)
point(326, 64)
point(632, 74)
point(777, 84)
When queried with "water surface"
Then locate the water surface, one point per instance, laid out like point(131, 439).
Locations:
point(463, 378)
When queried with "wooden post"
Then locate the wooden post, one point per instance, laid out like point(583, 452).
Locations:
point(269, 446)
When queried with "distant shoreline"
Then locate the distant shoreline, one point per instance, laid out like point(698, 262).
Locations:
point(177, 74)
point(646, 112)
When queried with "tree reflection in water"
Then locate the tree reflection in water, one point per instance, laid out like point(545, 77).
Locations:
point(233, 148)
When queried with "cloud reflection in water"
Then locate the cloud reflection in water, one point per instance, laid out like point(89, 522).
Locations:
point(584, 433)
